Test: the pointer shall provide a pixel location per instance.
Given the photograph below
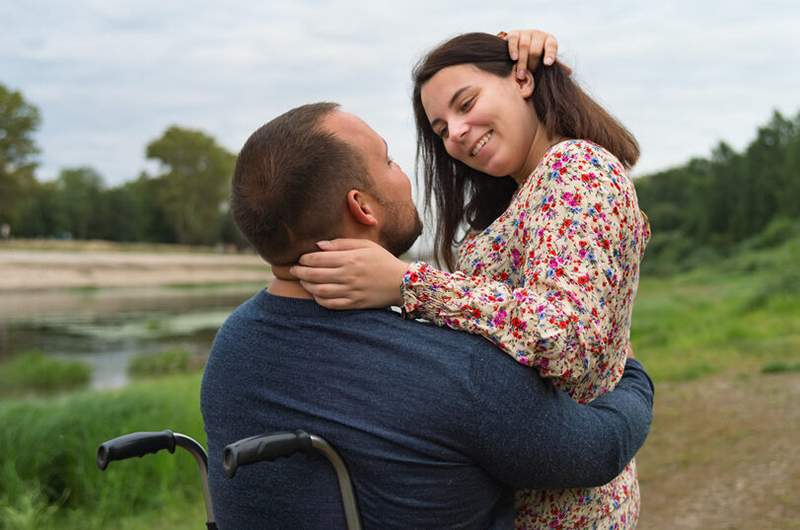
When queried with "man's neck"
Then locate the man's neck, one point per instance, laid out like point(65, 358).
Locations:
point(285, 285)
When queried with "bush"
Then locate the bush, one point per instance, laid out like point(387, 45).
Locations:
point(778, 232)
point(168, 362)
point(33, 372)
point(48, 475)
point(780, 367)
point(783, 284)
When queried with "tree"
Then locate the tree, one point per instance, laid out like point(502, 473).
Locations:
point(18, 121)
point(80, 194)
point(193, 184)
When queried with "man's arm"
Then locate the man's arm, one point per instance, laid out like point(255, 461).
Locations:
point(529, 435)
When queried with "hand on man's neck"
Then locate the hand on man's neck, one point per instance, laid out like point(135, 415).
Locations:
point(287, 285)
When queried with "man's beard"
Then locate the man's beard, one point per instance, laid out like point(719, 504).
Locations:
point(403, 228)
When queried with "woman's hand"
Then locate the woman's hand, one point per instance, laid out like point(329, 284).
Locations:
point(528, 46)
point(351, 274)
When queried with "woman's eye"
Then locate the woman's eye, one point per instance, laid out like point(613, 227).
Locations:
point(467, 104)
point(443, 133)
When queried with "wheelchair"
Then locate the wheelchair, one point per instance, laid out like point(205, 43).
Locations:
point(261, 448)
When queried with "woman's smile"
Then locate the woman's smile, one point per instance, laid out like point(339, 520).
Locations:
point(482, 141)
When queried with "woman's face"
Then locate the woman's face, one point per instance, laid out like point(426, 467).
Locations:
point(484, 120)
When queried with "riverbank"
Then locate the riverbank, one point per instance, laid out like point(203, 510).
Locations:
point(53, 265)
point(718, 456)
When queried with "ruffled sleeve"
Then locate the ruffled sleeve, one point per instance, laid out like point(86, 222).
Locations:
point(578, 266)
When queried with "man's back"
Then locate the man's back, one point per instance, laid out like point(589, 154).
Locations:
point(405, 404)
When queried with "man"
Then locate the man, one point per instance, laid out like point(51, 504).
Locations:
point(437, 427)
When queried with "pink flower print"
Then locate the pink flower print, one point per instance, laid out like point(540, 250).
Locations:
point(499, 319)
point(516, 259)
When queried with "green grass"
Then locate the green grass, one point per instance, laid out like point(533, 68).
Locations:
point(738, 315)
point(780, 367)
point(167, 362)
point(33, 372)
point(52, 480)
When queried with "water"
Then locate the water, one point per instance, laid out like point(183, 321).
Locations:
point(107, 327)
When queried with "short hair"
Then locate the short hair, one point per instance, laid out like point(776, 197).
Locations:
point(291, 182)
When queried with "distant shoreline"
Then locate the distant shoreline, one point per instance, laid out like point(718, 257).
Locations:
point(33, 266)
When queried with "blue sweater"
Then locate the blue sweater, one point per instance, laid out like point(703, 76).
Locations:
point(437, 427)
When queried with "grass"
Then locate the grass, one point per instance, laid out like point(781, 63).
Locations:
point(735, 316)
point(780, 367)
point(169, 362)
point(33, 372)
point(52, 480)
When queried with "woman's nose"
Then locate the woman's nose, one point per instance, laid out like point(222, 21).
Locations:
point(458, 131)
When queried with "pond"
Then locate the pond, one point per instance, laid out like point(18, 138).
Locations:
point(107, 327)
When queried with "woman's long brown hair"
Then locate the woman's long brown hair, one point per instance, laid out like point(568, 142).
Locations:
point(464, 195)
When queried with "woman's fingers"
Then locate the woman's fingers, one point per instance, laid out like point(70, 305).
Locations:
point(550, 50)
point(317, 274)
point(327, 258)
point(513, 45)
point(524, 51)
point(326, 291)
point(337, 303)
point(345, 244)
point(536, 49)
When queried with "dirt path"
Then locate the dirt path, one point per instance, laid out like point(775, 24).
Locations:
point(22, 270)
point(723, 454)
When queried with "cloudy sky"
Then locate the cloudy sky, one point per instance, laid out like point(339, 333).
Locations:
point(111, 76)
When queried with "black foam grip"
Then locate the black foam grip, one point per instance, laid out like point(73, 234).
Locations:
point(134, 444)
point(263, 447)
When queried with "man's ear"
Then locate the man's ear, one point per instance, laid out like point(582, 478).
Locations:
point(525, 85)
point(361, 206)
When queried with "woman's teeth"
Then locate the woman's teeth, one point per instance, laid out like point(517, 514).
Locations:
point(481, 143)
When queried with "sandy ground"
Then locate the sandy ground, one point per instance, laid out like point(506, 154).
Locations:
point(723, 455)
point(26, 270)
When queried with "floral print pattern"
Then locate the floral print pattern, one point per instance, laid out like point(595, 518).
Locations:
point(552, 283)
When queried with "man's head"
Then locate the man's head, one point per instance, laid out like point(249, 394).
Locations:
point(318, 173)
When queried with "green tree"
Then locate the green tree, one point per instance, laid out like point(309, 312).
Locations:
point(18, 121)
point(131, 212)
point(40, 212)
point(80, 191)
point(193, 183)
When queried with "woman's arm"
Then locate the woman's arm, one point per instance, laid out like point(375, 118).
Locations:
point(575, 245)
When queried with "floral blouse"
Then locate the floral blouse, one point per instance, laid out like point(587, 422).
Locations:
point(552, 281)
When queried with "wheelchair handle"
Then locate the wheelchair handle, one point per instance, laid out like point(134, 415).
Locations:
point(134, 444)
point(144, 443)
point(269, 447)
point(265, 447)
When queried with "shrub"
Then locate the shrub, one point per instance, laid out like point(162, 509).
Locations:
point(177, 361)
point(48, 474)
point(34, 372)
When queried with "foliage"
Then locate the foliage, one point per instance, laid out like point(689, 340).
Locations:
point(735, 313)
point(780, 367)
point(194, 182)
point(168, 362)
point(52, 480)
point(18, 121)
point(721, 203)
point(34, 372)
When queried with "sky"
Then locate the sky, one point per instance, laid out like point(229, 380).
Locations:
point(109, 77)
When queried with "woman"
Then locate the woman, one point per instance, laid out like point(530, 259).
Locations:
point(549, 267)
